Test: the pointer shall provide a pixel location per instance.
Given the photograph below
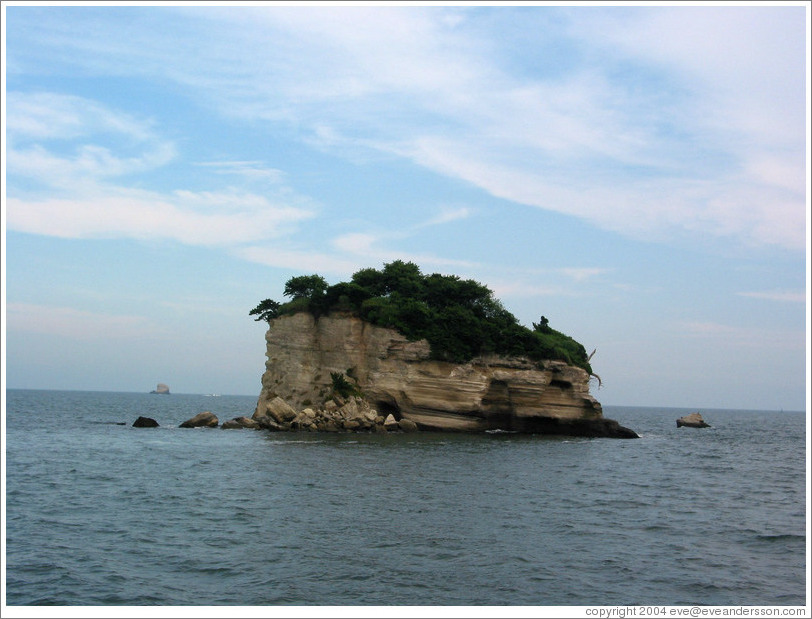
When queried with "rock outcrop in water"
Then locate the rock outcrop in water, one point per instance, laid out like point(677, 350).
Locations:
point(239, 423)
point(145, 422)
point(161, 389)
point(398, 377)
point(694, 420)
point(206, 419)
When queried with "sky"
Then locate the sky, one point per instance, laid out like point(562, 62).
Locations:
point(637, 174)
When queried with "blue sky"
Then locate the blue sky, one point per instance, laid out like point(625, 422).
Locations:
point(636, 174)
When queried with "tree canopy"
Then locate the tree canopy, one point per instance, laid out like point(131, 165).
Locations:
point(267, 310)
point(305, 286)
point(460, 318)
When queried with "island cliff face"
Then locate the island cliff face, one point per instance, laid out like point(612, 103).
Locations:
point(398, 377)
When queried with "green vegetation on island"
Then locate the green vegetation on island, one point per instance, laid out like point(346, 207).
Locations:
point(459, 318)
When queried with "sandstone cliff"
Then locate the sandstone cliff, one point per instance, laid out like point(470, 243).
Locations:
point(398, 377)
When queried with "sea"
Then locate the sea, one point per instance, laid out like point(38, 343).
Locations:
point(100, 513)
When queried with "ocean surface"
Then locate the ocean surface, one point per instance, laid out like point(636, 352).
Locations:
point(107, 514)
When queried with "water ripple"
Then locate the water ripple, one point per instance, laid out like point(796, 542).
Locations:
point(110, 515)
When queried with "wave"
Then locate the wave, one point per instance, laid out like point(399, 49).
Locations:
point(781, 537)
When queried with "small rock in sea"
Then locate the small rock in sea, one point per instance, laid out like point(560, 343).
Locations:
point(694, 420)
point(145, 422)
point(240, 422)
point(202, 420)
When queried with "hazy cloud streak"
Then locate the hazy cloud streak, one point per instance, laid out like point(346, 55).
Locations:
point(675, 119)
point(76, 324)
point(744, 337)
point(84, 194)
point(688, 151)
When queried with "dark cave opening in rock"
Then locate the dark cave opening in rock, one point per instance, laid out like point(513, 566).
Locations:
point(388, 408)
point(497, 399)
point(561, 384)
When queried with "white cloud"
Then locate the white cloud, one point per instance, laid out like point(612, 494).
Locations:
point(354, 52)
point(249, 170)
point(447, 215)
point(747, 63)
point(89, 163)
point(355, 243)
point(669, 119)
point(352, 251)
point(83, 195)
point(300, 260)
point(105, 143)
point(49, 115)
point(731, 205)
point(726, 140)
point(231, 219)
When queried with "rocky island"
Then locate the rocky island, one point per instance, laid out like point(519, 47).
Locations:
point(394, 349)
point(694, 420)
point(398, 377)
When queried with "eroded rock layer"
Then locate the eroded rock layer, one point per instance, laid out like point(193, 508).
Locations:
point(398, 377)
